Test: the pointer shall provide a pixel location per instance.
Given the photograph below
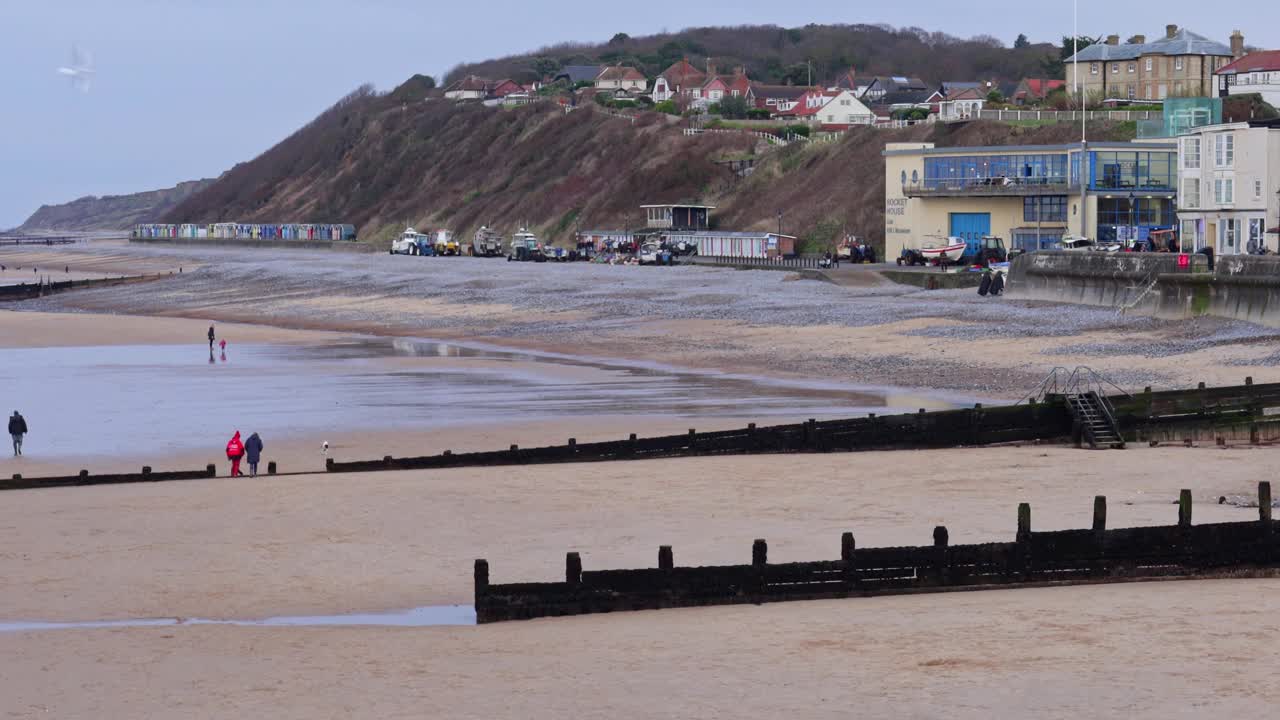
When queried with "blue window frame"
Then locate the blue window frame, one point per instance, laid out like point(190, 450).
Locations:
point(1039, 169)
point(1124, 170)
point(1047, 208)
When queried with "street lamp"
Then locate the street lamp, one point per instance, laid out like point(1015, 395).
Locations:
point(1133, 218)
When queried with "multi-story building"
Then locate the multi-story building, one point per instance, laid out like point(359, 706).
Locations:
point(1181, 64)
point(1228, 177)
point(1031, 195)
point(1254, 73)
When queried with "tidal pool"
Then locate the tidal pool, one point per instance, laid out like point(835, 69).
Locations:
point(154, 400)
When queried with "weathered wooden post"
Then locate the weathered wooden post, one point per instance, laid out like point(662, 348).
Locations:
point(328, 465)
point(847, 549)
point(1184, 508)
point(482, 584)
point(573, 568)
point(940, 541)
point(975, 423)
point(1022, 550)
point(666, 559)
point(84, 475)
point(1264, 501)
point(759, 552)
point(271, 467)
point(17, 476)
point(1099, 515)
point(387, 461)
point(146, 472)
point(212, 470)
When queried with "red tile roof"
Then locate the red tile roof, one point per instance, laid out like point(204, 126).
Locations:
point(1040, 88)
point(684, 75)
point(1266, 61)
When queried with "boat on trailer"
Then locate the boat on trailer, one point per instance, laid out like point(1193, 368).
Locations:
point(944, 250)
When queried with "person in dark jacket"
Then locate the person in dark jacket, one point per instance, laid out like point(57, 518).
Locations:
point(211, 336)
point(253, 452)
point(17, 428)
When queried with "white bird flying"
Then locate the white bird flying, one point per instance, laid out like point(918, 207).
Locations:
point(80, 70)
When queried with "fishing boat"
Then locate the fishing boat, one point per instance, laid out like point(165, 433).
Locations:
point(944, 250)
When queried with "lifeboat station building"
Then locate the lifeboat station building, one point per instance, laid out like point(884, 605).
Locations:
point(1031, 196)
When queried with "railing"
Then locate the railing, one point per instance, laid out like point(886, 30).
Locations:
point(1065, 115)
point(989, 186)
point(1079, 381)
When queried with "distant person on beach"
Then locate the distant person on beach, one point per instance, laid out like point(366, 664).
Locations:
point(235, 451)
point(211, 336)
point(17, 428)
point(253, 452)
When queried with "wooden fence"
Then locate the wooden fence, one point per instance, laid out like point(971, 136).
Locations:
point(42, 287)
point(1066, 557)
point(84, 478)
point(947, 428)
point(1239, 411)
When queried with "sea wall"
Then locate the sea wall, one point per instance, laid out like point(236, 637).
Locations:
point(1240, 287)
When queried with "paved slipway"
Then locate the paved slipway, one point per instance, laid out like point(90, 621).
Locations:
point(765, 321)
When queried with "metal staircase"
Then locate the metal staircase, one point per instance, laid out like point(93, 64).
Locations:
point(1093, 415)
point(1085, 394)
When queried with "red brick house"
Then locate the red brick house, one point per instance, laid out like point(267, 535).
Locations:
point(1034, 90)
point(680, 80)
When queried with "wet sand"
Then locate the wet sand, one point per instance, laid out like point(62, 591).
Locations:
point(1136, 651)
point(322, 544)
point(696, 317)
point(316, 544)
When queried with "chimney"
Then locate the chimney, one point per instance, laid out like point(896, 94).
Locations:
point(1113, 39)
point(1140, 39)
point(1170, 31)
point(711, 68)
point(1237, 44)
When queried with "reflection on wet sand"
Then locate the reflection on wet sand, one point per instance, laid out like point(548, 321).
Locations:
point(117, 400)
point(429, 616)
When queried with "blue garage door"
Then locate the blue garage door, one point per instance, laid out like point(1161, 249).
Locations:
point(971, 227)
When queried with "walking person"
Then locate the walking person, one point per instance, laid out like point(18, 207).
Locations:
point(235, 451)
point(211, 336)
point(17, 428)
point(253, 452)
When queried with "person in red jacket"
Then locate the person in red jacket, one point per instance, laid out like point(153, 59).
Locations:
point(235, 451)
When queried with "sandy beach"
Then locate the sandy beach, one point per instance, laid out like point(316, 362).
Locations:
point(878, 334)
point(317, 544)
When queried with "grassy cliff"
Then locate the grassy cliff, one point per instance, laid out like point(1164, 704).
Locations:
point(383, 164)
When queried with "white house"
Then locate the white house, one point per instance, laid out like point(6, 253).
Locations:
point(626, 79)
point(963, 105)
point(844, 111)
point(1227, 177)
point(1254, 73)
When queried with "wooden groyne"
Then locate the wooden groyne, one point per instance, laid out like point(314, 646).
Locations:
point(1064, 557)
point(85, 478)
point(27, 291)
point(1232, 413)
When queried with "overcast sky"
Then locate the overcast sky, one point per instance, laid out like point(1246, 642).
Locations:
point(187, 88)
